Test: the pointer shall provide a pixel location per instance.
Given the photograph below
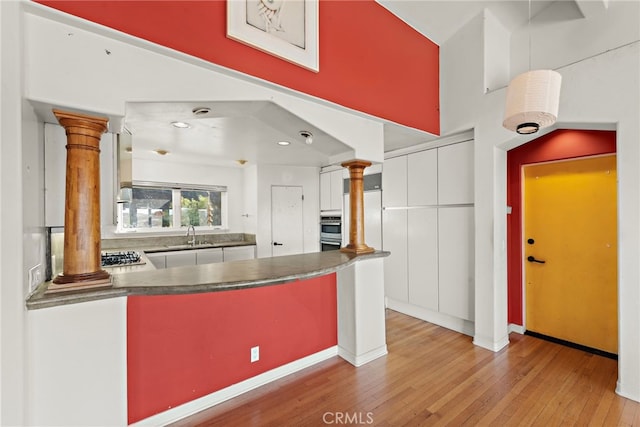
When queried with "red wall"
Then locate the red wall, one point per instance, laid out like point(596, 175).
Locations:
point(182, 347)
point(557, 145)
point(369, 59)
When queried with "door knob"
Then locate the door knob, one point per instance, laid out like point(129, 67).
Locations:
point(531, 258)
point(277, 244)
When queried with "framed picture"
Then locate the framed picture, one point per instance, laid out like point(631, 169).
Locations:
point(285, 28)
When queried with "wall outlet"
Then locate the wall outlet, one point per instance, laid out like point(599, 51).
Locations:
point(35, 276)
point(255, 354)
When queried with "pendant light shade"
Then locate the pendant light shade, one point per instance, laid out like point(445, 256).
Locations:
point(532, 101)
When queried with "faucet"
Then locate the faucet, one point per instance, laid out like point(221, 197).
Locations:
point(191, 242)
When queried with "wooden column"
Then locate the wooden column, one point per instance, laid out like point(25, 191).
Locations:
point(81, 266)
point(356, 208)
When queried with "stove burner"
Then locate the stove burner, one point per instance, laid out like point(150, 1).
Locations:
point(120, 258)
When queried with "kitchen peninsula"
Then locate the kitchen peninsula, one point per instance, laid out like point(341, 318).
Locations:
point(160, 344)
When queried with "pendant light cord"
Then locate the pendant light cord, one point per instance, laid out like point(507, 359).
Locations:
point(529, 31)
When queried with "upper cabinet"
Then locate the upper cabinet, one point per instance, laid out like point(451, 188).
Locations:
point(55, 168)
point(394, 182)
point(422, 175)
point(455, 174)
point(331, 189)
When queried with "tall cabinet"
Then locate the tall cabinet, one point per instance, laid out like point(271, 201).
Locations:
point(428, 226)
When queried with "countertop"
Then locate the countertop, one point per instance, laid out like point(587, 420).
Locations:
point(204, 278)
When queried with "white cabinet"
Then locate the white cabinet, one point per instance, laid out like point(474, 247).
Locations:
point(55, 167)
point(428, 226)
point(208, 256)
point(455, 174)
point(180, 258)
point(159, 260)
point(456, 261)
point(422, 178)
point(422, 257)
point(237, 253)
point(331, 189)
point(394, 236)
point(394, 182)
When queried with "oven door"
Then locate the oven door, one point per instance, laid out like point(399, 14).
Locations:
point(329, 245)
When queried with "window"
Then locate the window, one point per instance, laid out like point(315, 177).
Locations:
point(156, 206)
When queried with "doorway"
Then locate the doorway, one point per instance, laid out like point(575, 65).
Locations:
point(570, 251)
point(287, 225)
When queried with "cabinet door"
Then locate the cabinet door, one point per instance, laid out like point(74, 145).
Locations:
point(180, 258)
point(455, 174)
point(394, 240)
point(456, 262)
point(158, 260)
point(208, 256)
point(422, 178)
point(325, 191)
point(336, 190)
point(239, 253)
point(394, 182)
point(422, 258)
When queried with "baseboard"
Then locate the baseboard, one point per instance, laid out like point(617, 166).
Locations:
point(364, 358)
point(518, 329)
point(621, 392)
point(200, 404)
point(455, 324)
point(489, 344)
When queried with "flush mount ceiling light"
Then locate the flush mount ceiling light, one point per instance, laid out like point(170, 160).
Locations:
point(308, 136)
point(161, 152)
point(283, 143)
point(180, 125)
point(241, 162)
point(532, 98)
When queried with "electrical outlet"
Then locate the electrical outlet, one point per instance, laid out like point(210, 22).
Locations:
point(255, 354)
point(35, 276)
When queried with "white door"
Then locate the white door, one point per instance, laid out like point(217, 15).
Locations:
point(286, 221)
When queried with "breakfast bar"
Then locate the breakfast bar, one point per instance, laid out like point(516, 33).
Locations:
point(160, 344)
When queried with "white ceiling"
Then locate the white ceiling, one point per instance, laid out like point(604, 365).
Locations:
point(232, 131)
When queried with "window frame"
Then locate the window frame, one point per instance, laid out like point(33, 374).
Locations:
point(176, 206)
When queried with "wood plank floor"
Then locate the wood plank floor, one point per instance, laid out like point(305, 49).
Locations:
point(434, 376)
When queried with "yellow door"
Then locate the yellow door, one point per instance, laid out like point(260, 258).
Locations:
point(570, 250)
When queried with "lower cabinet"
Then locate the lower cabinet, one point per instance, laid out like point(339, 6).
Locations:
point(200, 256)
point(180, 258)
point(208, 256)
point(422, 257)
point(456, 261)
point(394, 240)
point(237, 253)
point(432, 258)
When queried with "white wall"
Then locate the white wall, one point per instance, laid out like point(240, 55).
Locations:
point(13, 283)
point(599, 59)
point(167, 171)
point(309, 179)
point(77, 364)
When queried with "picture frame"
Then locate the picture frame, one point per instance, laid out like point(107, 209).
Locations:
point(287, 29)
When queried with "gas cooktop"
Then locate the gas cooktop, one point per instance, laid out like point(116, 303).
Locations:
point(115, 259)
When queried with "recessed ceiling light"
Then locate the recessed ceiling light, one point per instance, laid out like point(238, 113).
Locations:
point(200, 111)
point(180, 125)
point(308, 136)
point(283, 143)
point(161, 152)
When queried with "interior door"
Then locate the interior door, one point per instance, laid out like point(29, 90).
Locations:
point(570, 250)
point(287, 232)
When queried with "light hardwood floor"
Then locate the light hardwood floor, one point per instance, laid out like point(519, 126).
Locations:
point(434, 376)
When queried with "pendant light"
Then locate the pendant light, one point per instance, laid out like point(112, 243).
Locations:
point(532, 98)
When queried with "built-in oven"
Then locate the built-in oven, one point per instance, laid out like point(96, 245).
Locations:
point(330, 233)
